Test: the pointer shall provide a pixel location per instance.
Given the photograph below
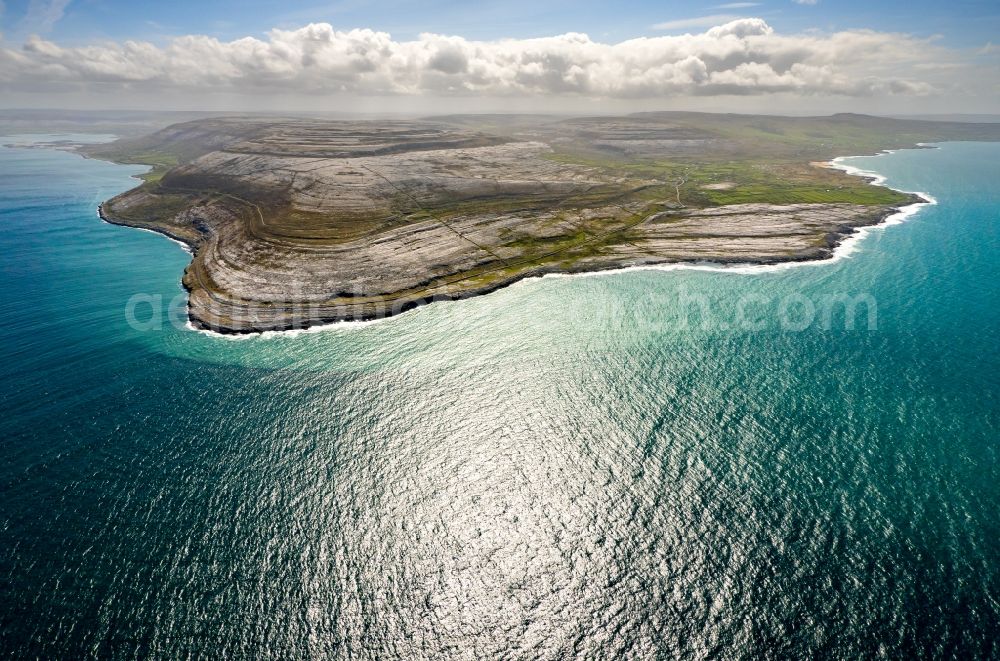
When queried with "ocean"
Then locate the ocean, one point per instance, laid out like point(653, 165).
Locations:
point(760, 463)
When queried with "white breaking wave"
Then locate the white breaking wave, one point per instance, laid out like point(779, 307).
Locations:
point(185, 247)
point(292, 332)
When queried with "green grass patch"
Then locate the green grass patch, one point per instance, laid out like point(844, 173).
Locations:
point(761, 181)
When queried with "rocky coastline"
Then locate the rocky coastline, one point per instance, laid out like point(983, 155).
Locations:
point(220, 313)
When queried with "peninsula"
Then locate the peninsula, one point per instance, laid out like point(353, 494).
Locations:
point(296, 222)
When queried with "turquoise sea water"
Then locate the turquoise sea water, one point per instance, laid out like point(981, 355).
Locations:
point(588, 467)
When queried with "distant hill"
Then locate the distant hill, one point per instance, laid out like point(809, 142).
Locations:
point(988, 119)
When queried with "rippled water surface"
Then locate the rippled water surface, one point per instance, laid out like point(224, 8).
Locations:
point(562, 469)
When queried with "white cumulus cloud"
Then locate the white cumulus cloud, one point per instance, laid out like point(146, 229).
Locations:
point(744, 56)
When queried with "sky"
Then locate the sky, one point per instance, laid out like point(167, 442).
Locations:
point(787, 56)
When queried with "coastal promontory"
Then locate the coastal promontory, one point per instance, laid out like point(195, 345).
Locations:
point(295, 222)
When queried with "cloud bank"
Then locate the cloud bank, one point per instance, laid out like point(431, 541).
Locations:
point(741, 57)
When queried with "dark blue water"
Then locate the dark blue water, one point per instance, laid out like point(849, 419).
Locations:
point(637, 465)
